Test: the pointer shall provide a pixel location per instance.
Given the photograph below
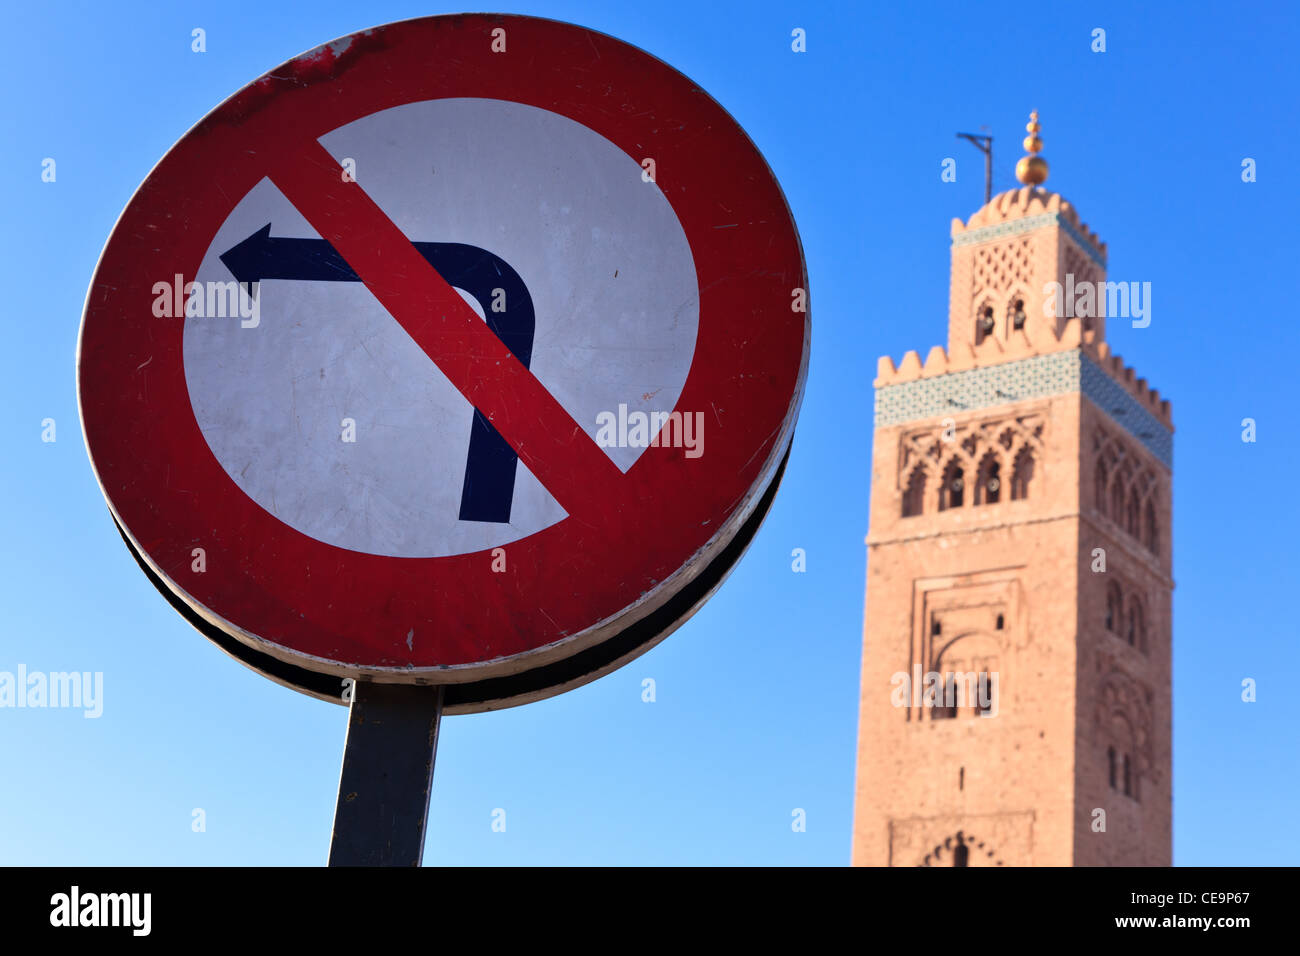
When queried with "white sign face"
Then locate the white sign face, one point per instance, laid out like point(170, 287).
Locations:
point(325, 412)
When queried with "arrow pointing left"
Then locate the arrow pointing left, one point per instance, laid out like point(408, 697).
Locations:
point(489, 485)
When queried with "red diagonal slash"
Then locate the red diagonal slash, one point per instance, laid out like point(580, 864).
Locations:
point(547, 439)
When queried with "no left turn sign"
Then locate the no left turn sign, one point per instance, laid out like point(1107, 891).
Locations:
point(466, 351)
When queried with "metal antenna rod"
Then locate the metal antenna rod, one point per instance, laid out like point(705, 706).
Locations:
point(984, 144)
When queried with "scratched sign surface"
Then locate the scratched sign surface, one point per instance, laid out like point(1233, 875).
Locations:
point(464, 350)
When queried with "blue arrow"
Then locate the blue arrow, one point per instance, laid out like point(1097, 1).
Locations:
point(490, 466)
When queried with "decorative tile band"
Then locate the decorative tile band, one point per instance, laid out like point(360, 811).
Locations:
point(1028, 224)
point(1055, 373)
point(1114, 399)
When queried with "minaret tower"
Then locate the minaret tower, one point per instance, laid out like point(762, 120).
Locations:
point(1015, 696)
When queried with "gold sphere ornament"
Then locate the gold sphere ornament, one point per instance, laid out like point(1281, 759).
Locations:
point(1032, 169)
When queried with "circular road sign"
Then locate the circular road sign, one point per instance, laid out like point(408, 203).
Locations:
point(466, 350)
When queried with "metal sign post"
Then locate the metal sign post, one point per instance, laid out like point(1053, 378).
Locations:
point(387, 775)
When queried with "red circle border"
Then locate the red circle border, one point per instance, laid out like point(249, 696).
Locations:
point(312, 602)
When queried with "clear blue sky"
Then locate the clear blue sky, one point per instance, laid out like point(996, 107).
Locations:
point(757, 695)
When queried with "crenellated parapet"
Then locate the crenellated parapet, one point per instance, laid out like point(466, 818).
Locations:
point(992, 353)
point(914, 392)
point(1128, 378)
point(1023, 210)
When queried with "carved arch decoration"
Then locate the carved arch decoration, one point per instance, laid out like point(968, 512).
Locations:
point(977, 852)
point(1122, 697)
point(1133, 492)
point(976, 449)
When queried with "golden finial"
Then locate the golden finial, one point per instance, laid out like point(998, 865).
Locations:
point(1032, 169)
